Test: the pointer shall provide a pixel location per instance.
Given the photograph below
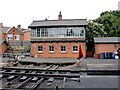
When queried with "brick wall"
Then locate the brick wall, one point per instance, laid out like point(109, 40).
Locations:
point(106, 48)
point(1, 32)
point(14, 31)
point(3, 48)
point(3, 36)
point(57, 50)
point(27, 36)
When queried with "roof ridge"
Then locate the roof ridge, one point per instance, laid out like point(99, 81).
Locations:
point(6, 27)
point(57, 20)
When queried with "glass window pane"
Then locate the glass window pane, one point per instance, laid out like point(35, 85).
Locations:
point(51, 48)
point(63, 48)
point(59, 32)
point(75, 48)
point(10, 36)
point(40, 48)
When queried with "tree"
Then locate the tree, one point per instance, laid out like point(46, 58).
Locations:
point(118, 33)
point(107, 25)
point(95, 29)
point(110, 23)
point(114, 12)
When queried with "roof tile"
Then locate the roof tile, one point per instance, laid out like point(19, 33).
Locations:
point(64, 22)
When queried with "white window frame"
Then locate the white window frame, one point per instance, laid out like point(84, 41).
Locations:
point(51, 49)
point(8, 36)
point(17, 36)
point(60, 32)
point(63, 48)
point(75, 49)
point(41, 49)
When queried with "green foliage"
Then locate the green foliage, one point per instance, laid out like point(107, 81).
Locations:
point(114, 12)
point(107, 25)
point(95, 29)
point(110, 23)
point(118, 33)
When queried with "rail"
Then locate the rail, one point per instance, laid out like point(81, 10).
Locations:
point(117, 72)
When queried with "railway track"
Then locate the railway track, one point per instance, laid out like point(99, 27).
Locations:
point(19, 75)
point(22, 78)
point(89, 72)
point(35, 83)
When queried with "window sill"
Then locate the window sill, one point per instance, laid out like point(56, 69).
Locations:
point(40, 51)
point(51, 51)
point(75, 52)
point(63, 52)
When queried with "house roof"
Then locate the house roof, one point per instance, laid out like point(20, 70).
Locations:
point(64, 22)
point(107, 40)
point(26, 30)
point(5, 29)
point(19, 30)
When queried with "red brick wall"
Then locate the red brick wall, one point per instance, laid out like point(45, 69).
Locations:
point(57, 50)
point(106, 48)
point(5, 35)
point(27, 36)
point(3, 48)
point(13, 31)
point(1, 33)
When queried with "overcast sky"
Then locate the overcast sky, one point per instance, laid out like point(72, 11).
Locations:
point(14, 12)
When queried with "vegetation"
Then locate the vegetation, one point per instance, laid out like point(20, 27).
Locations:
point(107, 25)
point(95, 29)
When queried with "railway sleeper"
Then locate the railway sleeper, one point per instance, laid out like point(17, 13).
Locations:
point(50, 80)
point(23, 78)
point(21, 84)
point(34, 79)
point(37, 84)
point(11, 78)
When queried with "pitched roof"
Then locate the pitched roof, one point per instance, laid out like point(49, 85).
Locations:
point(19, 30)
point(5, 29)
point(64, 22)
point(107, 39)
point(25, 30)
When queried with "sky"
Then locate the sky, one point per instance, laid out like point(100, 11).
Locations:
point(23, 12)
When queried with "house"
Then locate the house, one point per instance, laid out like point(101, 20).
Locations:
point(13, 34)
point(17, 37)
point(106, 44)
point(60, 38)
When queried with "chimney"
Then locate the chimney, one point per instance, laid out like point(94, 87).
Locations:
point(1, 25)
point(46, 19)
point(19, 26)
point(1, 35)
point(60, 16)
